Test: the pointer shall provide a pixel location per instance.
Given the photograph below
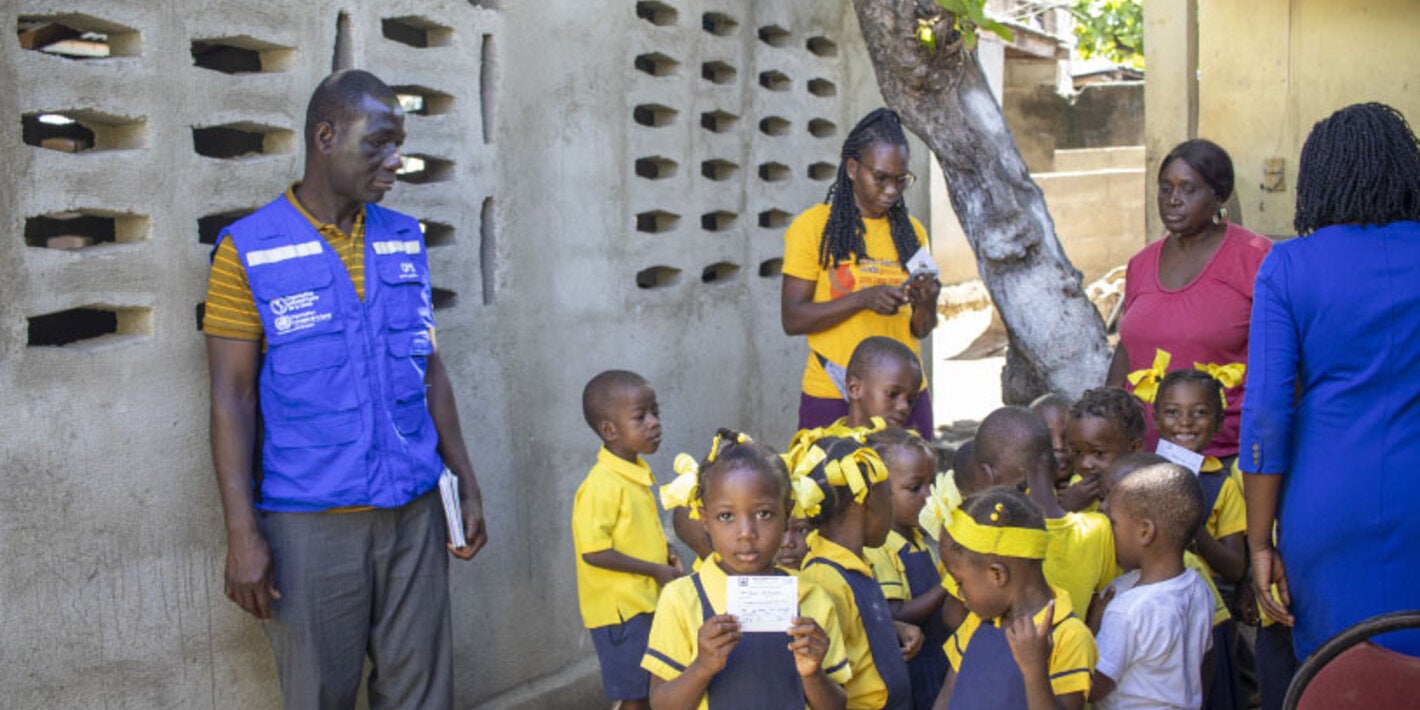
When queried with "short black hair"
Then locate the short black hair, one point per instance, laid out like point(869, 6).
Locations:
point(1131, 461)
point(1013, 431)
point(337, 98)
point(751, 455)
point(965, 473)
point(1212, 387)
point(1013, 509)
point(875, 349)
point(895, 439)
point(1209, 160)
point(597, 395)
point(1360, 165)
point(1169, 495)
point(1114, 404)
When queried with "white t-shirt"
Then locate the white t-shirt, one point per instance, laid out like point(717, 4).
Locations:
point(1152, 640)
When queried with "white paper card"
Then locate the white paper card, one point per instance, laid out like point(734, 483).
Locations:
point(762, 603)
point(1188, 459)
point(453, 510)
point(922, 263)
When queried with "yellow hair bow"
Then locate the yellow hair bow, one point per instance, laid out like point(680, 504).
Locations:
point(942, 498)
point(684, 490)
point(1229, 376)
point(1146, 381)
point(807, 496)
point(943, 513)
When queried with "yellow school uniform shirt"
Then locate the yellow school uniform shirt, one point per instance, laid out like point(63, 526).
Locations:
point(888, 571)
point(1072, 652)
point(1220, 607)
point(1229, 513)
point(230, 311)
point(866, 688)
point(675, 632)
point(1080, 557)
point(880, 266)
point(616, 510)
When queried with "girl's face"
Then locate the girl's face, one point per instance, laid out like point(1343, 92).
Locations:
point(795, 545)
point(743, 513)
point(1095, 442)
point(1187, 415)
point(979, 581)
point(877, 518)
point(910, 474)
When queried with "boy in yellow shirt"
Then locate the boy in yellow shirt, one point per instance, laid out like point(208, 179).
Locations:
point(623, 558)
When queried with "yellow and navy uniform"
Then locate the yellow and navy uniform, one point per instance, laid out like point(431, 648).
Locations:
point(866, 688)
point(616, 510)
point(882, 265)
point(888, 571)
point(231, 312)
point(675, 631)
point(1080, 558)
point(981, 648)
point(1220, 607)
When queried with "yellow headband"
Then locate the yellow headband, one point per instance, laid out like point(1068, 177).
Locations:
point(684, 490)
point(1229, 376)
point(943, 513)
point(1146, 381)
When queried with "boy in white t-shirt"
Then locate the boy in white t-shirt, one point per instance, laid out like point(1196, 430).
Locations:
point(1157, 619)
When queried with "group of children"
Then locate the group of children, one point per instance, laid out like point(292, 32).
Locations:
point(1068, 567)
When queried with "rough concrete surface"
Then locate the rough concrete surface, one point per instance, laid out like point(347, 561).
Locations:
point(111, 534)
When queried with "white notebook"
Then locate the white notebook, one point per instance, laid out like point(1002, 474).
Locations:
point(453, 511)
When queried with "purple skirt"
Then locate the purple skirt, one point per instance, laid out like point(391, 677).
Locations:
point(818, 412)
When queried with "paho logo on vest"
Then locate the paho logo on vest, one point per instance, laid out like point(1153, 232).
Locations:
point(297, 312)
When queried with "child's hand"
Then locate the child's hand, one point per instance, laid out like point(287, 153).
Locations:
point(665, 573)
point(1246, 603)
point(1030, 642)
point(1095, 615)
point(673, 559)
point(717, 638)
point(810, 645)
point(1080, 494)
point(909, 639)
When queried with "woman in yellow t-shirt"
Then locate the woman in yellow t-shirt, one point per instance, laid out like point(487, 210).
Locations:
point(845, 274)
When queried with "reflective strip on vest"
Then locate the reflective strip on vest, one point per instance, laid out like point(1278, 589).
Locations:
point(395, 247)
point(290, 251)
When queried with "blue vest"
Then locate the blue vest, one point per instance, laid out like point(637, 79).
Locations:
point(346, 421)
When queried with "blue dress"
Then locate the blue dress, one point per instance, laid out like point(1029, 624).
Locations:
point(1333, 405)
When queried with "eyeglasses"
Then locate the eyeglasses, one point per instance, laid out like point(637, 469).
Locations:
point(903, 181)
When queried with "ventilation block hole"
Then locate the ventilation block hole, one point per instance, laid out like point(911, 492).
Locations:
point(771, 267)
point(656, 64)
point(77, 36)
point(774, 35)
point(82, 131)
point(240, 140)
point(86, 323)
point(84, 228)
point(719, 24)
point(718, 170)
point(773, 172)
point(210, 227)
point(656, 221)
point(653, 115)
point(774, 80)
point(419, 169)
point(822, 171)
point(718, 121)
point(657, 277)
point(416, 31)
point(436, 234)
point(822, 47)
point(240, 55)
point(657, 13)
point(443, 298)
point(488, 252)
point(717, 72)
point(718, 221)
point(822, 88)
point(655, 168)
point(719, 273)
point(423, 101)
point(488, 86)
point(201, 313)
point(774, 219)
point(822, 128)
point(774, 126)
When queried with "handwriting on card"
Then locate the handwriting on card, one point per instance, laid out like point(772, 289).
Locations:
point(763, 603)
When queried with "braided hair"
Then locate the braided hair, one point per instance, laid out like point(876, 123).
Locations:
point(733, 454)
point(843, 233)
point(1361, 165)
point(1212, 388)
point(1114, 404)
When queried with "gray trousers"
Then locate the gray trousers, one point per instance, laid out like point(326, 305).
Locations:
point(355, 584)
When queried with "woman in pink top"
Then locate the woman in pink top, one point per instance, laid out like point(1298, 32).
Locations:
point(1188, 296)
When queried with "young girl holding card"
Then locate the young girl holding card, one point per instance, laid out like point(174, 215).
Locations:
point(850, 504)
point(698, 655)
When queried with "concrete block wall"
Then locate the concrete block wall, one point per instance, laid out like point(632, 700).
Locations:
point(538, 173)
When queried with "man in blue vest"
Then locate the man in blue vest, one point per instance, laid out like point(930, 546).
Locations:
point(336, 538)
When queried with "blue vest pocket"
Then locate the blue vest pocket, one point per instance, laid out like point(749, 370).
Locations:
point(409, 416)
point(308, 375)
point(330, 430)
point(403, 292)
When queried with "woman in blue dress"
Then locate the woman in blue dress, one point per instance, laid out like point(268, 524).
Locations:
point(1331, 418)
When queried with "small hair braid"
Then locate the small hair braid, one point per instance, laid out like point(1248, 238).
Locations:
point(842, 238)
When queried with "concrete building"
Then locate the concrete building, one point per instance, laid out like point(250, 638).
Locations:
point(599, 188)
point(1255, 77)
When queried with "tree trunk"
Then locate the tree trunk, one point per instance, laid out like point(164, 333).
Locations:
point(1057, 339)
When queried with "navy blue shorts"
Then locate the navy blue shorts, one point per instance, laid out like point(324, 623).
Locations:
point(620, 648)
